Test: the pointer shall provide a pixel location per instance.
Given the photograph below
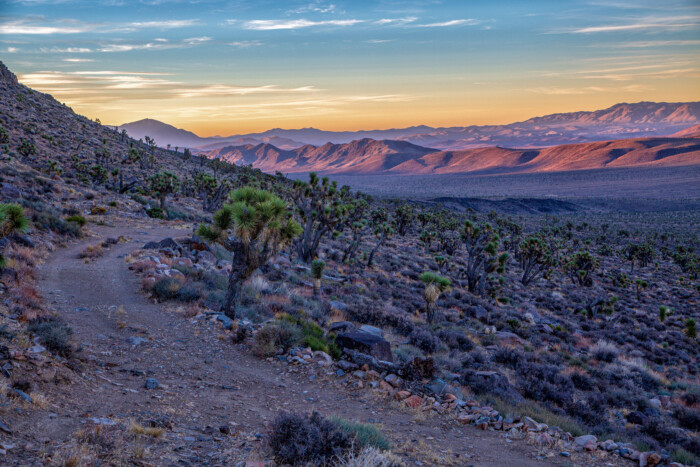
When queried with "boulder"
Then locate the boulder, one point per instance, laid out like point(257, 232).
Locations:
point(587, 442)
point(340, 326)
point(649, 459)
point(370, 344)
point(371, 330)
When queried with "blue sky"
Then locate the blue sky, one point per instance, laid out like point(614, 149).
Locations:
point(237, 66)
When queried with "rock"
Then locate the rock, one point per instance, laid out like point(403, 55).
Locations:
point(392, 379)
point(370, 344)
point(371, 330)
point(531, 424)
point(545, 440)
point(36, 349)
point(346, 365)
point(103, 421)
point(413, 401)
point(401, 395)
point(564, 454)
point(322, 358)
point(151, 383)
point(21, 394)
point(338, 305)
point(649, 459)
point(227, 323)
point(529, 319)
point(609, 445)
point(636, 417)
point(134, 340)
point(206, 257)
point(655, 402)
point(340, 326)
point(587, 442)
point(508, 338)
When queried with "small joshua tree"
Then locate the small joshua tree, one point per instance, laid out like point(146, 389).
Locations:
point(580, 267)
point(163, 184)
point(535, 259)
point(691, 329)
point(434, 286)
point(210, 190)
point(403, 218)
point(640, 285)
point(317, 267)
point(383, 230)
point(664, 311)
point(322, 209)
point(481, 244)
point(11, 220)
point(255, 226)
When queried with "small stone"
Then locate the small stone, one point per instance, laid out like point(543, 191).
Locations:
point(564, 454)
point(413, 401)
point(151, 383)
point(649, 459)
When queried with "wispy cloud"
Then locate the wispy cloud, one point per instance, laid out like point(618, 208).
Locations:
point(642, 24)
point(67, 50)
point(397, 21)
point(41, 26)
point(155, 44)
point(12, 50)
point(245, 44)
point(560, 91)
point(454, 22)
point(317, 7)
point(22, 26)
point(649, 44)
point(226, 90)
point(197, 40)
point(78, 60)
point(276, 24)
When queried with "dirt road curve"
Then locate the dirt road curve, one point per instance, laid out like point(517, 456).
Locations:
point(204, 380)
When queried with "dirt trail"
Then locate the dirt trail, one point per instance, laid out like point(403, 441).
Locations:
point(205, 381)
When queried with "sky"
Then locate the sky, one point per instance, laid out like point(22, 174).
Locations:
point(232, 67)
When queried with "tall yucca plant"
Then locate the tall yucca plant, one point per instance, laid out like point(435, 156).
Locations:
point(435, 285)
point(11, 220)
point(255, 226)
point(317, 267)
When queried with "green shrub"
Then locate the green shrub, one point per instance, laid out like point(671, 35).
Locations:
point(276, 338)
point(77, 219)
point(307, 440)
point(52, 334)
point(166, 288)
point(155, 213)
point(364, 434)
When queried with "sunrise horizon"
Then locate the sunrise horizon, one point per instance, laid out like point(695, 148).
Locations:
point(218, 67)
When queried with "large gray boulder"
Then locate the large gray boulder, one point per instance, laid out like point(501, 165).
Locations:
point(367, 343)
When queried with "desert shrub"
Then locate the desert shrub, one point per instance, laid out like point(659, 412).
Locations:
point(581, 381)
point(684, 457)
point(543, 382)
point(297, 440)
point(369, 457)
point(6, 334)
point(363, 434)
point(166, 288)
point(79, 220)
point(687, 418)
point(189, 293)
point(604, 351)
point(456, 340)
point(424, 340)
point(276, 338)
point(98, 211)
point(404, 354)
point(508, 356)
point(313, 335)
point(91, 252)
point(155, 213)
point(52, 334)
point(537, 412)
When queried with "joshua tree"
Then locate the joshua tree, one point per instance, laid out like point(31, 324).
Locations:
point(317, 267)
point(403, 218)
point(691, 329)
point(664, 311)
point(11, 220)
point(640, 285)
point(434, 286)
point(322, 209)
point(580, 267)
point(255, 226)
point(163, 184)
point(481, 244)
point(383, 230)
point(210, 190)
point(535, 259)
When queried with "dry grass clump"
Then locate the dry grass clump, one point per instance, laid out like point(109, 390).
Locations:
point(139, 429)
point(91, 252)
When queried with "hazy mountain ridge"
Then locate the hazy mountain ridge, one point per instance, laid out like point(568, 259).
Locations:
point(642, 119)
point(368, 156)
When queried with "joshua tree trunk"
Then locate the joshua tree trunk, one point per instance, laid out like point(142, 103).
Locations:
point(162, 203)
point(430, 312)
point(317, 288)
point(240, 271)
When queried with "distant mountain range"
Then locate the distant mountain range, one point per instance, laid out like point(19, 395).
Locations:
point(642, 119)
point(369, 156)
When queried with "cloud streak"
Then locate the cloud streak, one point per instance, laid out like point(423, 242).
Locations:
point(281, 24)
